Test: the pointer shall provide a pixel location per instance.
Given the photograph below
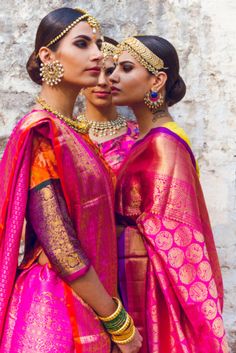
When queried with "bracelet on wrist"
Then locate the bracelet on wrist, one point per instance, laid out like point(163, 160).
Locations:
point(119, 324)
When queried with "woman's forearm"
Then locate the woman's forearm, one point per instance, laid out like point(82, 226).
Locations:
point(91, 290)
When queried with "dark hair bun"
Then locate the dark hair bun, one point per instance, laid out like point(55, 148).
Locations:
point(33, 68)
point(176, 92)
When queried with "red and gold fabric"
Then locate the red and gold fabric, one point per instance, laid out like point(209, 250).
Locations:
point(169, 273)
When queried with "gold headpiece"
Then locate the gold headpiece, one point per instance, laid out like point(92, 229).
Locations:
point(108, 49)
point(141, 53)
point(92, 21)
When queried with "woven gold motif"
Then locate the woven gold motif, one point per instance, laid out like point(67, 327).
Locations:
point(141, 53)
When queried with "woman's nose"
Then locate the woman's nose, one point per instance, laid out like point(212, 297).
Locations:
point(97, 54)
point(114, 77)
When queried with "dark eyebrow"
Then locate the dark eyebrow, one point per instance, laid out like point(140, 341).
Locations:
point(83, 37)
point(125, 62)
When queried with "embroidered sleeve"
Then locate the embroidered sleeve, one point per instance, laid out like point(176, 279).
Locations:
point(48, 215)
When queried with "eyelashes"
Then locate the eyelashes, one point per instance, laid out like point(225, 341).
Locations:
point(82, 43)
point(127, 67)
point(109, 70)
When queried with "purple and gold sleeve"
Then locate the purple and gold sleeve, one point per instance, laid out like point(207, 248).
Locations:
point(48, 215)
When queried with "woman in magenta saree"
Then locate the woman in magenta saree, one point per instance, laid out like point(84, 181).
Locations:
point(52, 177)
point(42, 293)
point(169, 274)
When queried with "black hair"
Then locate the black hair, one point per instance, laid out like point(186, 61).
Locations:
point(110, 40)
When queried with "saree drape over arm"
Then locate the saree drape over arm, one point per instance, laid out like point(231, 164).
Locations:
point(48, 215)
point(170, 278)
point(51, 176)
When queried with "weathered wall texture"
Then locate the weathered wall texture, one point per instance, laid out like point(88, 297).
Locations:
point(203, 33)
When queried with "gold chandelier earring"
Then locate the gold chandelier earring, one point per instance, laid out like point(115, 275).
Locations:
point(153, 100)
point(52, 73)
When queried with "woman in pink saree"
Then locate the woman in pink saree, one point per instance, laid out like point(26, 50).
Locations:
point(112, 133)
point(51, 175)
point(170, 278)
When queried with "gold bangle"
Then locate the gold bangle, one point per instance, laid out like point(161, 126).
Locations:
point(115, 314)
point(124, 335)
point(125, 341)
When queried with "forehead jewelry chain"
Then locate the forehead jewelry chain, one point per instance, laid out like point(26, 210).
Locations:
point(78, 126)
point(104, 128)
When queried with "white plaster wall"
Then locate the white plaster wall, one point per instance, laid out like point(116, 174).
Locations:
point(203, 32)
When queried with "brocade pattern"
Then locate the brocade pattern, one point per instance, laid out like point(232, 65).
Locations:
point(49, 217)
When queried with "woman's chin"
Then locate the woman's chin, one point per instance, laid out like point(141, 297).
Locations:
point(119, 101)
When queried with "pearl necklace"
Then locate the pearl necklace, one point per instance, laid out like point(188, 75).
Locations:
point(104, 128)
point(78, 126)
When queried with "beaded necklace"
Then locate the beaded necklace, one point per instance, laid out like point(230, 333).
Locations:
point(78, 126)
point(104, 128)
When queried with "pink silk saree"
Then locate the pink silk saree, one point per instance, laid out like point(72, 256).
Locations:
point(115, 150)
point(39, 311)
point(169, 274)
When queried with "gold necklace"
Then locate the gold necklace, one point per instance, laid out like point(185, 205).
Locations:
point(78, 126)
point(104, 128)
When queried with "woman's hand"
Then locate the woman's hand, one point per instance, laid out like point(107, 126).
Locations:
point(115, 349)
point(134, 346)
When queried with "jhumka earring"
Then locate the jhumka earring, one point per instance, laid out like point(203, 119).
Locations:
point(153, 100)
point(52, 73)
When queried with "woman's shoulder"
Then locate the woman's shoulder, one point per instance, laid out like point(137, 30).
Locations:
point(32, 119)
point(178, 130)
point(171, 143)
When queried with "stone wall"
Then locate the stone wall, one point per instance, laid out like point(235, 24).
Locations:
point(203, 33)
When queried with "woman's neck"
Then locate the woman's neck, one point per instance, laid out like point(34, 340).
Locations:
point(61, 99)
point(147, 120)
point(100, 113)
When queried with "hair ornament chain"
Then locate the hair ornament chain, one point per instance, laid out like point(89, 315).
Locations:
point(108, 49)
point(92, 21)
point(141, 53)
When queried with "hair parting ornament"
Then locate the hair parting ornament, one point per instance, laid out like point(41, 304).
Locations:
point(92, 21)
point(108, 50)
point(141, 53)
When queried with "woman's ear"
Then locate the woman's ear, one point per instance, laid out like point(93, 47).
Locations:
point(46, 55)
point(159, 81)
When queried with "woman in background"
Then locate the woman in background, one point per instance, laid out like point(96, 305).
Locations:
point(113, 134)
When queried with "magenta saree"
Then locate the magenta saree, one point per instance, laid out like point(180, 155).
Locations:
point(39, 311)
point(115, 150)
point(169, 274)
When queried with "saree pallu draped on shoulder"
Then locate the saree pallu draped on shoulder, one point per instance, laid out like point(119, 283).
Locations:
point(169, 273)
point(88, 191)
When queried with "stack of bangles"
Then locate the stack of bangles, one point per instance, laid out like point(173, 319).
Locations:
point(119, 325)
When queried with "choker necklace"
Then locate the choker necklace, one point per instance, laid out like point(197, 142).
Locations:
point(78, 126)
point(104, 128)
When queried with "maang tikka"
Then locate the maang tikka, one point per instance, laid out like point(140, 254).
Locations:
point(153, 100)
point(51, 73)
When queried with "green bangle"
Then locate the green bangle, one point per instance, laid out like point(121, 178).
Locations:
point(117, 322)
